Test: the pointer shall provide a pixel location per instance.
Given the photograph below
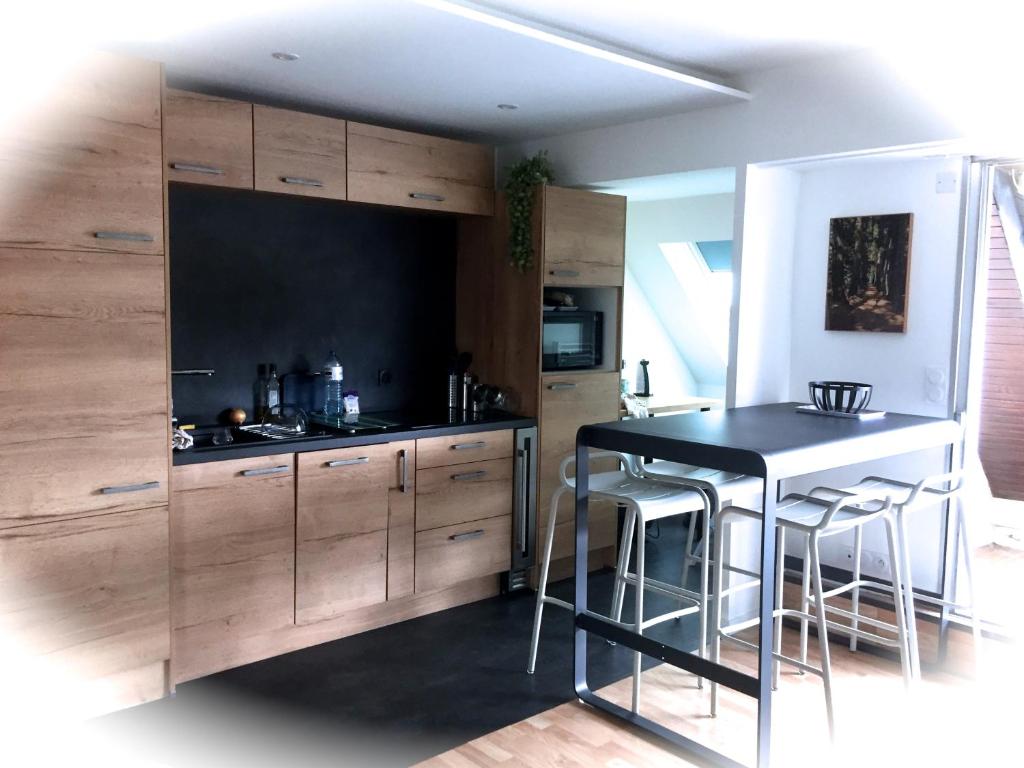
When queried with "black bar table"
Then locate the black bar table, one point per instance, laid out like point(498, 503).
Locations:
point(774, 442)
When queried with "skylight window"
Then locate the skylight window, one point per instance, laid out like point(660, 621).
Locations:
point(717, 254)
point(708, 290)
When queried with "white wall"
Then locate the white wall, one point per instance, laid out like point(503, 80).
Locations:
point(644, 338)
point(649, 223)
point(895, 364)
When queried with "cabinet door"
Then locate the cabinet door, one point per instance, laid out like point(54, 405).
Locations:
point(83, 378)
point(233, 558)
point(342, 528)
point(461, 449)
point(84, 603)
point(80, 168)
point(297, 153)
point(584, 238)
point(568, 401)
point(418, 171)
point(207, 140)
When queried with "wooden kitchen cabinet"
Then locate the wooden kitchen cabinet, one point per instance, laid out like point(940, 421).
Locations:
point(233, 560)
point(463, 508)
point(568, 401)
point(84, 427)
point(80, 168)
point(583, 237)
point(446, 556)
point(84, 604)
point(343, 511)
point(298, 153)
point(413, 170)
point(208, 140)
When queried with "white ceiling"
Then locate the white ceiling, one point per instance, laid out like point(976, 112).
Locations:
point(669, 186)
point(419, 63)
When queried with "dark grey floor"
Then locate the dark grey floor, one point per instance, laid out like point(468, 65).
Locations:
point(395, 695)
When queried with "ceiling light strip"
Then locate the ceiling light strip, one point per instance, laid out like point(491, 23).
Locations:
point(580, 44)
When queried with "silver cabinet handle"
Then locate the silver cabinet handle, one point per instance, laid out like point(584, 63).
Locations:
point(193, 372)
point(467, 535)
point(564, 273)
point(470, 475)
point(468, 446)
point(562, 385)
point(302, 182)
point(521, 506)
point(426, 196)
point(209, 170)
point(131, 488)
point(135, 237)
point(347, 462)
point(265, 471)
point(403, 486)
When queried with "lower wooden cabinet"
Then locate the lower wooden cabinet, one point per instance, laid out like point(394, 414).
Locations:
point(344, 499)
point(446, 556)
point(233, 559)
point(84, 611)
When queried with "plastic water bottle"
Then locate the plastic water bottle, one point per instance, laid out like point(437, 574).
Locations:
point(333, 377)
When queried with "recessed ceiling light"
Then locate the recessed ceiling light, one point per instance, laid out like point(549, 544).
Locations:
point(283, 56)
point(508, 107)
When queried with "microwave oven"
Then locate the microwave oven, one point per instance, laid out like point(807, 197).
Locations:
point(572, 340)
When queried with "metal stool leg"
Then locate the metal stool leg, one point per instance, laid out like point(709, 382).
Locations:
point(688, 557)
point(858, 539)
point(637, 656)
point(716, 621)
point(542, 587)
point(780, 555)
point(805, 601)
point(622, 564)
point(909, 610)
point(705, 566)
point(898, 601)
point(819, 607)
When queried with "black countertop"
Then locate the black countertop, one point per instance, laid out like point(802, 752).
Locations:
point(409, 426)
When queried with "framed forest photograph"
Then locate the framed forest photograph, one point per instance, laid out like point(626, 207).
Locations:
point(868, 273)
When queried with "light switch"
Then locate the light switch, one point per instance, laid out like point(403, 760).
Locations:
point(945, 182)
point(935, 384)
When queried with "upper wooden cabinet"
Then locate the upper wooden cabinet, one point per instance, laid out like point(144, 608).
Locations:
point(83, 372)
point(208, 140)
point(584, 235)
point(341, 531)
point(80, 167)
point(298, 153)
point(415, 170)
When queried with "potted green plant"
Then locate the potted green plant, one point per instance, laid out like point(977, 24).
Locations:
point(520, 185)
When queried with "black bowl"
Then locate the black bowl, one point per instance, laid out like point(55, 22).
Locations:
point(840, 396)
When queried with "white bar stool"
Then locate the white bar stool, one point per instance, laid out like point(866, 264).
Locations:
point(645, 499)
point(907, 499)
point(815, 518)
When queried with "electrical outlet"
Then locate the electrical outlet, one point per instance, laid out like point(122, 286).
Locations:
point(383, 376)
point(874, 563)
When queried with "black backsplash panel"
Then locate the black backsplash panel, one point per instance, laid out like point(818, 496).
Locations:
point(259, 278)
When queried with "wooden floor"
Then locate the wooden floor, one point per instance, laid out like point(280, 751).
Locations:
point(944, 720)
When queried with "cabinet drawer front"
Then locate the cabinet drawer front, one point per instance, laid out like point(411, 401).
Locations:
point(232, 555)
point(298, 154)
point(207, 140)
point(418, 171)
point(82, 169)
point(567, 403)
point(446, 556)
point(584, 237)
point(83, 367)
point(89, 596)
point(450, 495)
point(463, 449)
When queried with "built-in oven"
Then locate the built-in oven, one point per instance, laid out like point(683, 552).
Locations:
point(573, 339)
